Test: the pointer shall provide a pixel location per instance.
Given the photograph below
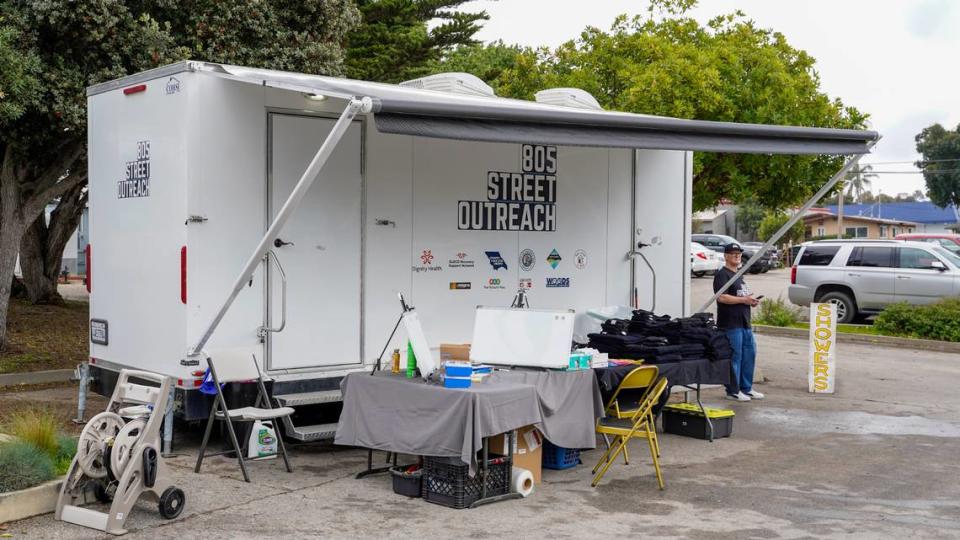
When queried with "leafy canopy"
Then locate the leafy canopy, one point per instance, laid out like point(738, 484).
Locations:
point(668, 64)
point(936, 145)
point(394, 43)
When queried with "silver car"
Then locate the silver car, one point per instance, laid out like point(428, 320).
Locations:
point(863, 276)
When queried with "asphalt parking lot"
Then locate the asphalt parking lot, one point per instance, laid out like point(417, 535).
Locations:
point(876, 460)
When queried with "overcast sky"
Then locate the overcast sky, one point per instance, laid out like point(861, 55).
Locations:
point(894, 59)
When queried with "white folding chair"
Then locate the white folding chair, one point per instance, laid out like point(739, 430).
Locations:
point(236, 365)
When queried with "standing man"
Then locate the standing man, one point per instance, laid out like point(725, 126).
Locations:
point(733, 317)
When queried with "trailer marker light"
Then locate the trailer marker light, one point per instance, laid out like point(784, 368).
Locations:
point(89, 268)
point(183, 274)
point(135, 89)
point(179, 382)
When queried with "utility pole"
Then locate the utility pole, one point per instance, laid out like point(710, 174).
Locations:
point(843, 187)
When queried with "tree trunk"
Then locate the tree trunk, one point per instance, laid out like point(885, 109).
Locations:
point(41, 285)
point(41, 249)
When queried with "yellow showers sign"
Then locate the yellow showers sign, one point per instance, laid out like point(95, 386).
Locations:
point(822, 374)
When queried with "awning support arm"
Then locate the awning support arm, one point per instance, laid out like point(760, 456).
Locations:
point(354, 107)
point(790, 222)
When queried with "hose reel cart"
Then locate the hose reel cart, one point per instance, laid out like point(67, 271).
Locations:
point(118, 458)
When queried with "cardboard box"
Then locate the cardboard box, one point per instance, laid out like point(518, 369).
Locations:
point(450, 351)
point(527, 450)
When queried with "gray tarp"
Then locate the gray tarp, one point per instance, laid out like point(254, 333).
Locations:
point(426, 113)
point(396, 414)
point(570, 403)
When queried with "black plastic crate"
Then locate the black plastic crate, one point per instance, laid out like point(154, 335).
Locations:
point(446, 481)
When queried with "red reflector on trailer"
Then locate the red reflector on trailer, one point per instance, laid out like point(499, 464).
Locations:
point(93, 360)
point(183, 274)
point(89, 268)
point(135, 89)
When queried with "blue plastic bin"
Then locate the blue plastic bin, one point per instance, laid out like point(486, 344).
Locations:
point(558, 458)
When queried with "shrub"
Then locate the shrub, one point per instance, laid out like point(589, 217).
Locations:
point(37, 426)
point(23, 465)
point(776, 313)
point(66, 449)
point(939, 321)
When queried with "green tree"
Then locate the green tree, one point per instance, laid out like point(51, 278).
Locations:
point(489, 62)
point(937, 145)
point(858, 181)
point(771, 223)
point(749, 216)
point(729, 70)
point(394, 44)
point(77, 44)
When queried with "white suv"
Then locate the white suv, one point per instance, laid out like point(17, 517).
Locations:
point(864, 276)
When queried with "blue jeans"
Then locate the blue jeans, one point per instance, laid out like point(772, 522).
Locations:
point(744, 359)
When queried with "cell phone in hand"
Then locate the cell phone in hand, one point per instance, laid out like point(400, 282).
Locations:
point(759, 297)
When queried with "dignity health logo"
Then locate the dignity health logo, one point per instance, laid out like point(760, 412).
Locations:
point(496, 261)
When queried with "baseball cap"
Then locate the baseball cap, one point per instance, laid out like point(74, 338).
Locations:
point(732, 248)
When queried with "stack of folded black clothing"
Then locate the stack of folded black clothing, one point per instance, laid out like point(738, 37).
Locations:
point(660, 339)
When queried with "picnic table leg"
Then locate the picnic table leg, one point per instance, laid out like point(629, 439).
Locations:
point(705, 415)
point(370, 470)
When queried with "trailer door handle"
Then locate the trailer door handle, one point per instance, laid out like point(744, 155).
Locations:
point(279, 243)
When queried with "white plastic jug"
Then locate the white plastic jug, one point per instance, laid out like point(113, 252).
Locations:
point(263, 440)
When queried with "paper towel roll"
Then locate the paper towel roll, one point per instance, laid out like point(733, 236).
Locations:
point(522, 481)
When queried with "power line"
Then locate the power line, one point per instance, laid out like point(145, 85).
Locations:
point(910, 162)
point(947, 171)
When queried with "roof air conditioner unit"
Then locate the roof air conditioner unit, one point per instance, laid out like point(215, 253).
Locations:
point(568, 97)
point(454, 83)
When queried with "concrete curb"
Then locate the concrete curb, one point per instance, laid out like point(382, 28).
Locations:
point(30, 502)
point(885, 341)
point(36, 377)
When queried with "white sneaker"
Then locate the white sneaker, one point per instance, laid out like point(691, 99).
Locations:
point(739, 396)
point(754, 394)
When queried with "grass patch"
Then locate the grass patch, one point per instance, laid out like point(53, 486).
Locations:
point(37, 426)
point(23, 465)
point(45, 337)
point(776, 313)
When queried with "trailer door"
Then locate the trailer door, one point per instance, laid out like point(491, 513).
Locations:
point(322, 251)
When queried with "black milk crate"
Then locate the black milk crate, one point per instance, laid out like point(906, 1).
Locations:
point(446, 481)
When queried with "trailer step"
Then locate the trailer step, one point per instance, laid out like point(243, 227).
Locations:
point(309, 398)
point(317, 432)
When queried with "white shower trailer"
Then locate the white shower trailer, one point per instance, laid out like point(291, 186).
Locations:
point(454, 200)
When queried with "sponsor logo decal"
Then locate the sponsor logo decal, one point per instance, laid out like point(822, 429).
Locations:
point(554, 282)
point(99, 332)
point(553, 259)
point(173, 86)
point(137, 177)
point(459, 285)
point(460, 260)
point(528, 259)
point(494, 283)
point(580, 259)
point(426, 259)
point(496, 261)
point(526, 283)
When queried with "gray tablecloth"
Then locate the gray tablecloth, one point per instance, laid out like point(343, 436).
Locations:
point(569, 402)
point(392, 413)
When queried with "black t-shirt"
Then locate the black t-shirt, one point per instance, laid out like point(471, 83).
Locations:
point(731, 315)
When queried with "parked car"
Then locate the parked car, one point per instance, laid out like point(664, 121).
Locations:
point(717, 242)
point(772, 256)
point(944, 240)
point(704, 261)
point(862, 277)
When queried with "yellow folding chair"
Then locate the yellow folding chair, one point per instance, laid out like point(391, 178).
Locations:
point(626, 399)
point(624, 429)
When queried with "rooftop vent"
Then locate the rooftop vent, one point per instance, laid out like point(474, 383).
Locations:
point(568, 97)
point(454, 83)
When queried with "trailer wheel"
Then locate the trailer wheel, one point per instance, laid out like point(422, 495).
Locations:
point(171, 503)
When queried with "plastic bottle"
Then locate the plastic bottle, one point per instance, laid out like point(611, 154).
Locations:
point(411, 361)
point(396, 361)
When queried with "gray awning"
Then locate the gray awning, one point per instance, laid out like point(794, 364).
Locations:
point(426, 113)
